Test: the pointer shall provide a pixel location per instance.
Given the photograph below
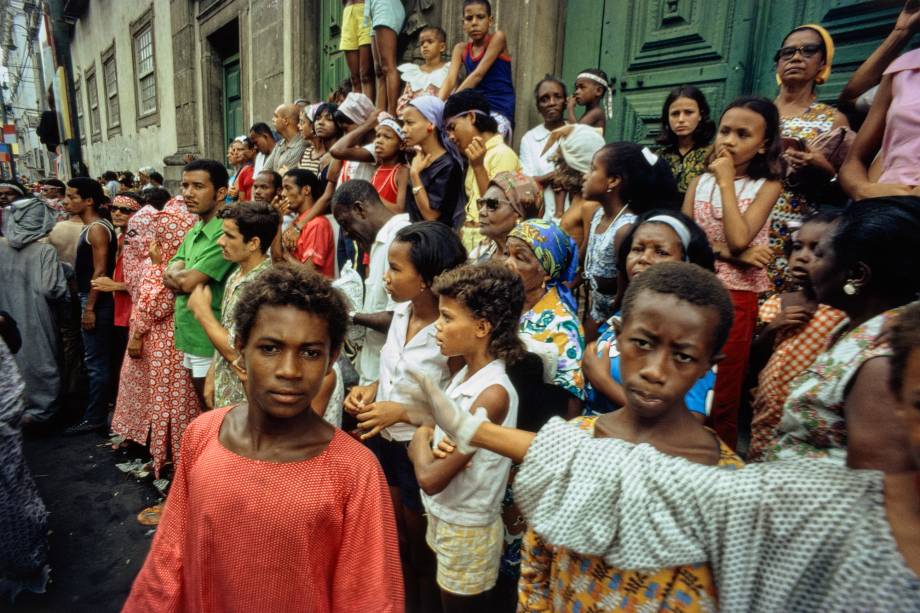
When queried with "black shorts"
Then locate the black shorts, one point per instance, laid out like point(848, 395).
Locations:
point(394, 459)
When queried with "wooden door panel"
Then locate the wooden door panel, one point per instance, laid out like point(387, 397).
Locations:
point(653, 46)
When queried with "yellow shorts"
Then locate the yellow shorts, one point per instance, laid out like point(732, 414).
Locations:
point(355, 32)
point(468, 556)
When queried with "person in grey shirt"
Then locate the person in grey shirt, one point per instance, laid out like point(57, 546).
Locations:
point(288, 151)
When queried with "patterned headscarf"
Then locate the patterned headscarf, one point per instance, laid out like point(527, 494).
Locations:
point(555, 250)
point(127, 202)
point(522, 191)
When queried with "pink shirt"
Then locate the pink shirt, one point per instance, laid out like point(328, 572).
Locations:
point(707, 212)
point(901, 143)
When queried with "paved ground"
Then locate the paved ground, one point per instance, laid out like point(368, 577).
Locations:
point(96, 544)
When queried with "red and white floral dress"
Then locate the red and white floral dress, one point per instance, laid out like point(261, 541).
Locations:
point(164, 403)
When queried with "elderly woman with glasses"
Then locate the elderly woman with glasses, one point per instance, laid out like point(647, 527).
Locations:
point(803, 62)
point(510, 199)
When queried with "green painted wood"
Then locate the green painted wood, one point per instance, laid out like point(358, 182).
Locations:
point(333, 69)
point(233, 101)
point(725, 47)
point(649, 47)
point(583, 30)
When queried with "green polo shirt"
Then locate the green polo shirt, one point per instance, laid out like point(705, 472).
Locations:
point(200, 252)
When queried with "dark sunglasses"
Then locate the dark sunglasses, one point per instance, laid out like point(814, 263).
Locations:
point(787, 53)
point(491, 203)
point(123, 209)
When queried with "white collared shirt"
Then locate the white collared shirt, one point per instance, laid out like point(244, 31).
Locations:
point(376, 298)
point(474, 496)
point(534, 163)
point(421, 353)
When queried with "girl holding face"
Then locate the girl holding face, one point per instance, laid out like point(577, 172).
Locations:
point(732, 202)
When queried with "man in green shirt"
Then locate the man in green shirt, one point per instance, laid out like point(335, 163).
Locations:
point(199, 261)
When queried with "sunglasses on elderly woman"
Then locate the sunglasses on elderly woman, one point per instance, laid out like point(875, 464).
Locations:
point(123, 209)
point(787, 53)
point(491, 203)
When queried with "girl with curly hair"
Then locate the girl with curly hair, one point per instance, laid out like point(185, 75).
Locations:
point(479, 306)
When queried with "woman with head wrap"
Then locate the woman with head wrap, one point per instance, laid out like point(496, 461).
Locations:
point(546, 259)
point(33, 281)
point(510, 198)
point(160, 407)
point(803, 62)
point(436, 170)
point(577, 145)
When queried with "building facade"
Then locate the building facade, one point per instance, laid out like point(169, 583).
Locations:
point(152, 82)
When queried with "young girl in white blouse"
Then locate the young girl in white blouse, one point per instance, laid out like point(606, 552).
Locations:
point(416, 256)
point(479, 310)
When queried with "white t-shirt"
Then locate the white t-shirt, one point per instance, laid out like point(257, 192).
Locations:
point(376, 298)
point(535, 164)
point(421, 353)
point(474, 496)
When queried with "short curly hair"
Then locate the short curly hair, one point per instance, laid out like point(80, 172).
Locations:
point(490, 292)
point(689, 283)
point(905, 339)
point(295, 286)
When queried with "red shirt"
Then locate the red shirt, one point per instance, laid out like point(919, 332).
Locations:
point(122, 299)
point(238, 534)
point(244, 181)
point(384, 181)
point(317, 245)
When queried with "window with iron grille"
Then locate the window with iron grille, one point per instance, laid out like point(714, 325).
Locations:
point(92, 92)
point(78, 103)
point(110, 83)
point(145, 73)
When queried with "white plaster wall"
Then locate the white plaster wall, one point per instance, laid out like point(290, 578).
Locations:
point(104, 21)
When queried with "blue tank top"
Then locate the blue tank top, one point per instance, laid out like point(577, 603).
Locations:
point(497, 85)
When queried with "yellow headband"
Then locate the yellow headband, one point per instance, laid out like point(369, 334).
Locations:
point(828, 52)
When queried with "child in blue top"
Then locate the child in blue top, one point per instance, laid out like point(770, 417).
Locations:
point(657, 236)
point(487, 62)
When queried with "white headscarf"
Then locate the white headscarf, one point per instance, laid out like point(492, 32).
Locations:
point(579, 147)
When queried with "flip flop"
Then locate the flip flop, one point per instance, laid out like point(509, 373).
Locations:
point(151, 515)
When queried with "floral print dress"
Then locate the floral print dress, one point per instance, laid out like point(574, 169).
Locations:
point(792, 208)
point(813, 424)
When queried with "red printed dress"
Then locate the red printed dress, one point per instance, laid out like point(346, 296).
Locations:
point(170, 399)
point(132, 401)
point(241, 535)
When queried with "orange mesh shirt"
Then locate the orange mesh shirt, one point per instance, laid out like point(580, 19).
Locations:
point(245, 535)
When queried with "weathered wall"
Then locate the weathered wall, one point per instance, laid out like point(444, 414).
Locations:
point(136, 146)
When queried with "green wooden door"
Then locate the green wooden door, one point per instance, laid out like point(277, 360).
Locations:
point(649, 47)
point(725, 47)
point(233, 99)
point(333, 69)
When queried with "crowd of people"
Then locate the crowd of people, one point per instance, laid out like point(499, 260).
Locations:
point(392, 363)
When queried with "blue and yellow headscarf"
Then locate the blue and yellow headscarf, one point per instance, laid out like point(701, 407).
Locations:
point(555, 250)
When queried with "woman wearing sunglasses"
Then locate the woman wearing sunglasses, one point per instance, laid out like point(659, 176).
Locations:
point(510, 198)
point(803, 62)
